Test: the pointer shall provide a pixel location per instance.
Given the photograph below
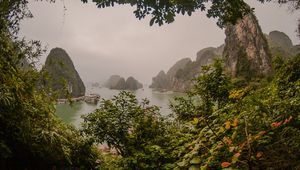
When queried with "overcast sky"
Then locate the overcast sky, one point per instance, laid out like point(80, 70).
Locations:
point(103, 42)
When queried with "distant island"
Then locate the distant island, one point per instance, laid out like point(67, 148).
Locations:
point(118, 83)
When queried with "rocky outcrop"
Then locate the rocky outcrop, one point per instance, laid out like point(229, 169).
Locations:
point(280, 39)
point(281, 45)
point(180, 75)
point(183, 78)
point(206, 55)
point(246, 52)
point(163, 81)
point(112, 81)
point(160, 81)
point(118, 83)
point(63, 77)
point(133, 84)
point(121, 84)
point(177, 66)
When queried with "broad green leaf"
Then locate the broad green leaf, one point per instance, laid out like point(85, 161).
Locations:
point(196, 160)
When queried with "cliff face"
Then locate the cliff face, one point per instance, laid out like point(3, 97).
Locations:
point(180, 75)
point(112, 81)
point(280, 39)
point(177, 66)
point(246, 51)
point(206, 55)
point(165, 81)
point(281, 45)
point(133, 84)
point(160, 81)
point(121, 84)
point(183, 78)
point(117, 82)
point(62, 73)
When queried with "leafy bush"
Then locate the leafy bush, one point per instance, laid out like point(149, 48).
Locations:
point(31, 136)
point(255, 128)
point(136, 130)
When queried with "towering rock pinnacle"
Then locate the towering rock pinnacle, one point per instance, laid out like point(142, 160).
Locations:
point(246, 50)
point(62, 73)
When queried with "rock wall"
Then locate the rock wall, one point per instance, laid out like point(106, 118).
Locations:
point(112, 81)
point(281, 45)
point(180, 75)
point(246, 52)
point(163, 81)
point(133, 84)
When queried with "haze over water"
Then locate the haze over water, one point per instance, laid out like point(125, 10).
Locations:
point(103, 42)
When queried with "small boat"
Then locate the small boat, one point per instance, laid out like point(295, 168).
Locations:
point(92, 98)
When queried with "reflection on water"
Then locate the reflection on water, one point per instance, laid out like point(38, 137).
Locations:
point(72, 113)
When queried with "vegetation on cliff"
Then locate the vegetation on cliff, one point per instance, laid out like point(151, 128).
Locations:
point(62, 76)
point(219, 125)
point(277, 47)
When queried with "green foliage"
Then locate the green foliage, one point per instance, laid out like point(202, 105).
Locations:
point(30, 133)
point(165, 11)
point(31, 136)
point(256, 128)
point(221, 125)
point(188, 72)
point(211, 90)
point(217, 126)
point(135, 130)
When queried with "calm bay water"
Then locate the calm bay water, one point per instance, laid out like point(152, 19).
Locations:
point(72, 113)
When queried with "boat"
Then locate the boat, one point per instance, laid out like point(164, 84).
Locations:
point(92, 98)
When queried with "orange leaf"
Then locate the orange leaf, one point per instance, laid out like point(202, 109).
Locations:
point(235, 158)
point(288, 120)
point(227, 141)
point(259, 154)
point(276, 124)
point(225, 164)
point(220, 145)
point(237, 155)
point(235, 122)
point(262, 133)
point(227, 125)
point(242, 145)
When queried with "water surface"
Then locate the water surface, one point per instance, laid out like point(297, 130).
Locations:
point(72, 113)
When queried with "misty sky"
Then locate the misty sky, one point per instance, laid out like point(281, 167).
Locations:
point(102, 42)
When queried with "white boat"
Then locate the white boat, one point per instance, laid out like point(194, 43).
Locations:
point(92, 98)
